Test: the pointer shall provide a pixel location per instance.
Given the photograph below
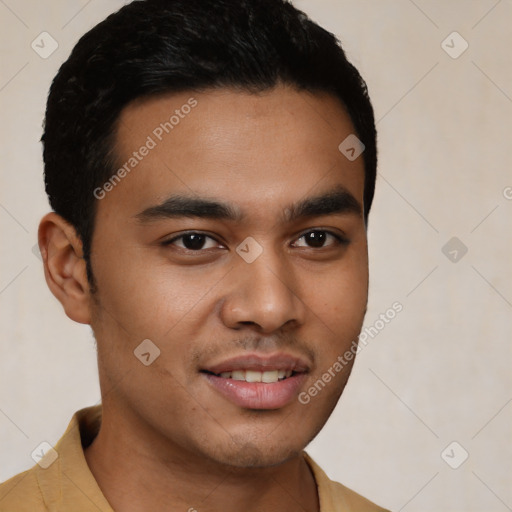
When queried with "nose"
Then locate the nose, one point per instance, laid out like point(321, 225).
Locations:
point(264, 294)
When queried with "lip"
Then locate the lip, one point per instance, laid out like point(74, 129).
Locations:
point(260, 363)
point(258, 395)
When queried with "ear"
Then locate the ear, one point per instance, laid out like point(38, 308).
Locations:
point(64, 266)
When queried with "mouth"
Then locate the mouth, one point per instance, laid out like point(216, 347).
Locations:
point(267, 376)
point(258, 382)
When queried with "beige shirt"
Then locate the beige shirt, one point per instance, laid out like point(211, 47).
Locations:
point(62, 481)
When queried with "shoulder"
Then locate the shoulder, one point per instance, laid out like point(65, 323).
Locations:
point(21, 493)
point(335, 497)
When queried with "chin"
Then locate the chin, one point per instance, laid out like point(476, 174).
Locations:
point(244, 454)
point(252, 444)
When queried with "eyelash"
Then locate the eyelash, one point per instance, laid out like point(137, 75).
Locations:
point(340, 240)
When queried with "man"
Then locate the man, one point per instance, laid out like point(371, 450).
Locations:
point(211, 167)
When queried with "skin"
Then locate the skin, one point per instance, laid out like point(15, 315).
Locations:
point(182, 444)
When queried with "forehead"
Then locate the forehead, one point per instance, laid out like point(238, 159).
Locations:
point(256, 150)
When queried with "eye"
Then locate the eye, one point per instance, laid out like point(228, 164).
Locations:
point(192, 241)
point(316, 239)
point(196, 242)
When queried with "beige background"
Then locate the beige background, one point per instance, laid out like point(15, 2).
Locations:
point(440, 371)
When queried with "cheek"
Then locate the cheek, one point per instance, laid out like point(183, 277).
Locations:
point(338, 306)
point(147, 296)
point(340, 296)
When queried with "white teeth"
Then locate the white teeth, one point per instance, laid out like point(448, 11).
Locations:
point(268, 377)
point(252, 376)
point(271, 376)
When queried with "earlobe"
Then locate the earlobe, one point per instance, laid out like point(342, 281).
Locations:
point(64, 266)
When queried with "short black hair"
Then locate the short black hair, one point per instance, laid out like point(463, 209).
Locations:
point(151, 47)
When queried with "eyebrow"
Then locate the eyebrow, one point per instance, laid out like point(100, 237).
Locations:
point(337, 201)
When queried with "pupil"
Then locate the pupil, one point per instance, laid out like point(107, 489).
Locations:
point(315, 238)
point(193, 241)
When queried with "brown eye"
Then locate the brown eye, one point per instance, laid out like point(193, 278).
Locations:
point(191, 241)
point(316, 239)
point(194, 242)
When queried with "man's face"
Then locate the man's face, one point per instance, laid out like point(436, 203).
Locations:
point(258, 286)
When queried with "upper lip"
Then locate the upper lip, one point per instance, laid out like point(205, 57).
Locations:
point(261, 363)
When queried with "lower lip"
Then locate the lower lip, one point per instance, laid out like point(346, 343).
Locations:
point(258, 395)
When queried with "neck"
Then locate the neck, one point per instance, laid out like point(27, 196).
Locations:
point(156, 475)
